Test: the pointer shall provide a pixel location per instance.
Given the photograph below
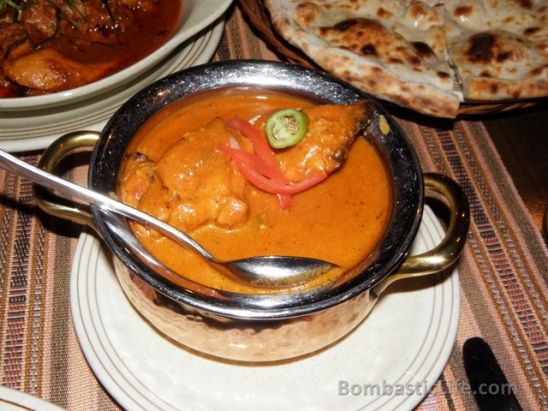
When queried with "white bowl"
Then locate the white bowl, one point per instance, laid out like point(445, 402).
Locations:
point(196, 15)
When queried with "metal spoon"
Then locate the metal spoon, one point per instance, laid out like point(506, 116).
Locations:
point(271, 271)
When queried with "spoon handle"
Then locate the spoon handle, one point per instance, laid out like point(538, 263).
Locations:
point(16, 166)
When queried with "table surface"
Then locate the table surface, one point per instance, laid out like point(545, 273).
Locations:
point(501, 161)
point(521, 140)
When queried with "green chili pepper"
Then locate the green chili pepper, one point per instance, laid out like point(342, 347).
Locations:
point(286, 128)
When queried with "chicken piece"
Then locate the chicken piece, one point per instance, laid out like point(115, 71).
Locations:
point(40, 19)
point(97, 22)
point(331, 131)
point(194, 185)
point(10, 34)
point(145, 5)
point(48, 70)
point(136, 178)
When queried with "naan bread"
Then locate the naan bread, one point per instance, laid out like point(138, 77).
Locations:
point(365, 45)
point(499, 48)
point(523, 17)
point(498, 65)
point(425, 54)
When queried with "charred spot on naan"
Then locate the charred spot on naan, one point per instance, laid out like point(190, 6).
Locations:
point(500, 65)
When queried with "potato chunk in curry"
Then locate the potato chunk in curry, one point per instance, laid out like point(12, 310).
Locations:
point(48, 70)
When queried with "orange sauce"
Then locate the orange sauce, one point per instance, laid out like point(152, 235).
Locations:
point(340, 220)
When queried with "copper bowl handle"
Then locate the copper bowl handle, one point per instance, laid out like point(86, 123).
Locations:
point(58, 150)
point(446, 253)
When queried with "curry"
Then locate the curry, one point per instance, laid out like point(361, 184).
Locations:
point(48, 46)
point(203, 164)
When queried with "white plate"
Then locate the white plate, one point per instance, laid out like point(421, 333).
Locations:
point(13, 400)
point(404, 343)
point(24, 131)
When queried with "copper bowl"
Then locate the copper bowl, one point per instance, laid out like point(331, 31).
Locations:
point(253, 327)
